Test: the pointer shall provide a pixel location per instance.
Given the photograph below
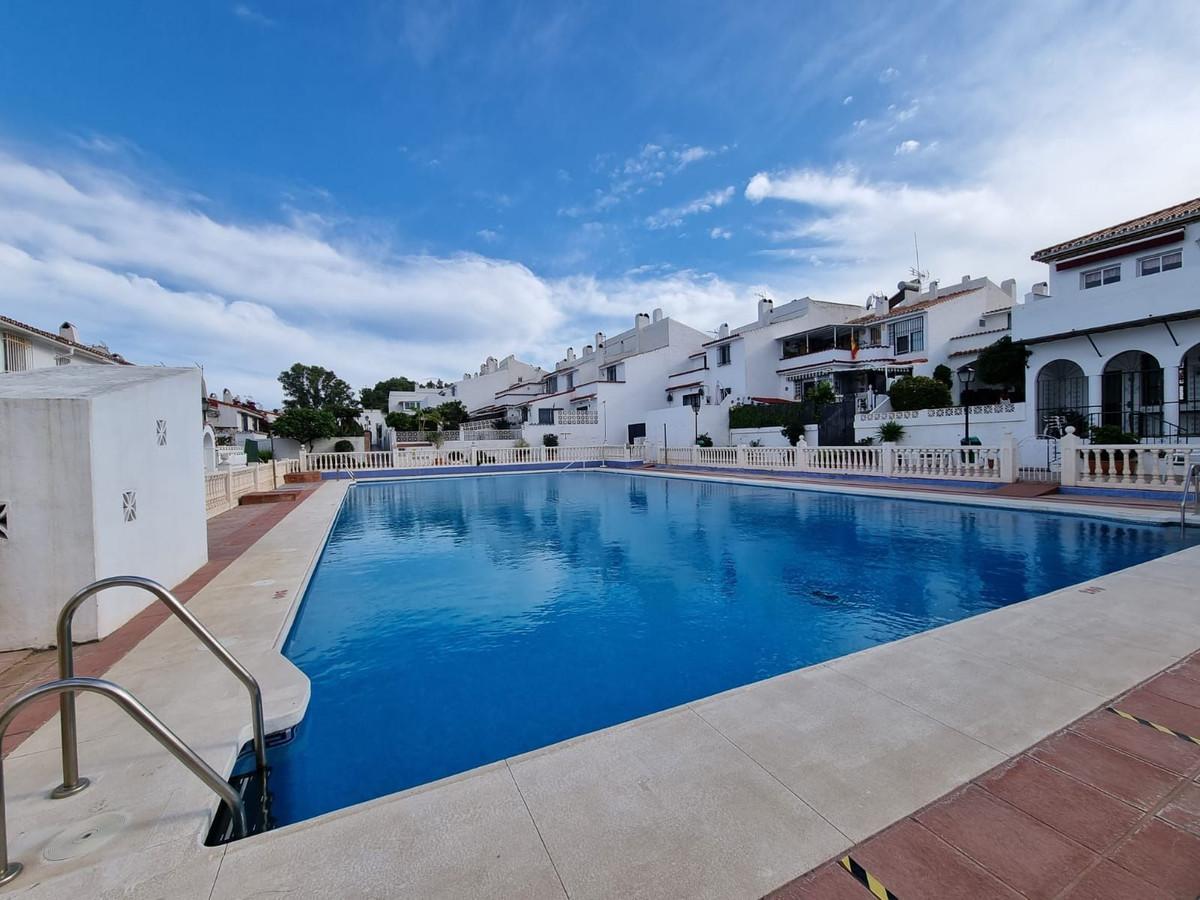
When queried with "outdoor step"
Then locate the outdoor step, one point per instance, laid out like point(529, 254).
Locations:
point(301, 477)
point(1026, 489)
point(283, 495)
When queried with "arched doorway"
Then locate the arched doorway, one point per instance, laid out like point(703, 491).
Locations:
point(1189, 392)
point(210, 450)
point(1131, 393)
point(1062, 395)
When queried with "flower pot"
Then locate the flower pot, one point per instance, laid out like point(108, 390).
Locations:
point(1091, 458)
point(1119, 463)
point(1104, 462)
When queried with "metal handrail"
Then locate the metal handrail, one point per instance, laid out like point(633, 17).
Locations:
point(72, 782)
point(353, 477)
point(1192, 477)
point(170, 741)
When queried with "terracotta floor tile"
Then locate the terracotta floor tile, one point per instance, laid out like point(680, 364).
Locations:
point(1189, 667)
point(1145, 743)
point(1177, 686)
point(1123, 776)
point(12, 740)
point(1183, 809)
point(829, 882)
point(1165, 856)
point(1083, 813)
point(1015, 847)
point(1163, 710)
point(912, 862)
point(10, 658)
point(1108, 881)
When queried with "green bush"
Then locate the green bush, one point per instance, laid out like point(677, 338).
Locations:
point(891, 431)
point(943, 375)
point(1112, 434)
point(265, 455)
point(919, 392)
point(343, 447)
point(549, 440)
point(771, 415)
point(704, 441)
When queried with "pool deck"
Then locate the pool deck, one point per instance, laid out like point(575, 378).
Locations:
point(731, 796)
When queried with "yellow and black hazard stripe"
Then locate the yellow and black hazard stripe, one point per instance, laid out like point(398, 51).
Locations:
point(866, 879)
point(1163, 728)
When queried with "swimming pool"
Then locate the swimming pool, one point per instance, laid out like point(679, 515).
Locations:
point(455, 622)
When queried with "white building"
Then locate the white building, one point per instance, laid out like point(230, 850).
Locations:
point(411, 401)
point(234, 420)
point(24, 347)
point(1114, 332)
point(910, 333)
point(476, 391)
point(605, 394)
point(99, 476)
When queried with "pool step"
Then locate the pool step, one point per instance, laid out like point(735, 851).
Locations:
point(282, 495)
point(253, 786)
point(1026, 489)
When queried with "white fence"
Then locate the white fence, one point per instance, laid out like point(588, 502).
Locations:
point(434, 457)
point(222, 489)
point(886, 460)
point(1153, 467)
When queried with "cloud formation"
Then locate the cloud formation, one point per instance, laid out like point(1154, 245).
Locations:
point(674, 215)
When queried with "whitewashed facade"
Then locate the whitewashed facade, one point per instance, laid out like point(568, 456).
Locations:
point(24, 348)
point(1114, 331)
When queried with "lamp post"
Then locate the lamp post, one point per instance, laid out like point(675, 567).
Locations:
point(696, 415)
point(965, 376)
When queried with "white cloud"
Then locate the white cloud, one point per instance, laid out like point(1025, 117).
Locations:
point(1003, 185)
point(253, 16)
point(159, 279)
point(888, 75)
point(674, 215)
point(488, 235)
point(723, 234)
point(848, 100)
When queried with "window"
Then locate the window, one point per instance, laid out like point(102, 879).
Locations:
point(610, 373)
point(16, 353)
point(552, 384)
point(570, 381)
point(908, 335)
point(1152, 265)
point(723, 355)
point(1097, 277)
point(545, 416)
point(62, 360)
point(725, 392)
point(874, 336)
point(692, 400)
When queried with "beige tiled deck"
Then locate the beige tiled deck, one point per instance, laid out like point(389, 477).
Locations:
point(730, 796)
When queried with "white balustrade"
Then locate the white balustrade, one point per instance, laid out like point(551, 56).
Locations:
point(222, 489)
point(1155, 467)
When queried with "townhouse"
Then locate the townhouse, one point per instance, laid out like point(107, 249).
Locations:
point(1114, 331)
point(25, 347)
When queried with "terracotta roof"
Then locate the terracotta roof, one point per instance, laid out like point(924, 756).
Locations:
point(50, 335)
point(898, 311)
point(1164, 218)
point(772, 400)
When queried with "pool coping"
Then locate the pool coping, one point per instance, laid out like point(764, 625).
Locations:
point(528, 811)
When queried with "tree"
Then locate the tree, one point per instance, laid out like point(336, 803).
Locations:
point(377, 397)
point(315, 387)
point(1003, 363)
point(943, 374)
point(306, 425)
point(451, 414)
point(919, 392)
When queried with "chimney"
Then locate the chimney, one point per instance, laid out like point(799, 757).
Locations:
point(657, 315)
point(587, 350)
point(599, 340)
point(966, 278)
point(765, 307)
point(933, 286)
point(1041, 289)
point(723, 331)
point(68, 332)
point(227, 395)
point(570, 354)
point(1009, 286)
point(640, 321)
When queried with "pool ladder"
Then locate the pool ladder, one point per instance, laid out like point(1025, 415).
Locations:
point(1191, 481)
point(67, 685)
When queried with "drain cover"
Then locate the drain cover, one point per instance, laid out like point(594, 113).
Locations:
point(84, 837)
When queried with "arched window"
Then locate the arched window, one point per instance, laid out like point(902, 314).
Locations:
point(1062, 394)
point(1189, 392)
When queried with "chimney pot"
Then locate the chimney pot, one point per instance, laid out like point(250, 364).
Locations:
point(657, 315)
point(1009, 286)
point(68, 332)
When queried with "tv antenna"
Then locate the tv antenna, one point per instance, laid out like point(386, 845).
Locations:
point(916, 271)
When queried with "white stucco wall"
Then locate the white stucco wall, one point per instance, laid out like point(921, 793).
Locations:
point(77, 439)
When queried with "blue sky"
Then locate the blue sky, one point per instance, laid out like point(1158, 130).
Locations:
point(405, 188)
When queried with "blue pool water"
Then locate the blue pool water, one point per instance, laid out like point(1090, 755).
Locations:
point(454, 622)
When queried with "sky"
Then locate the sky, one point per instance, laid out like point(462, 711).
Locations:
point(389, 188)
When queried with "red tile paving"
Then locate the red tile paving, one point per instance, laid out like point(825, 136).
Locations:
point(1106, 809)
point(229, 536)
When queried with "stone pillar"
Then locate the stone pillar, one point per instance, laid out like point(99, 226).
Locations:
point(1068, 449)
point(1009, 458)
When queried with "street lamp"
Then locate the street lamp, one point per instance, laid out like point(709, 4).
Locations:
point(965, 376)
point(696, 414)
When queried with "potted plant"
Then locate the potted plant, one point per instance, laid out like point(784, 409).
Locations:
point(1112, 434)
point(704, 441)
